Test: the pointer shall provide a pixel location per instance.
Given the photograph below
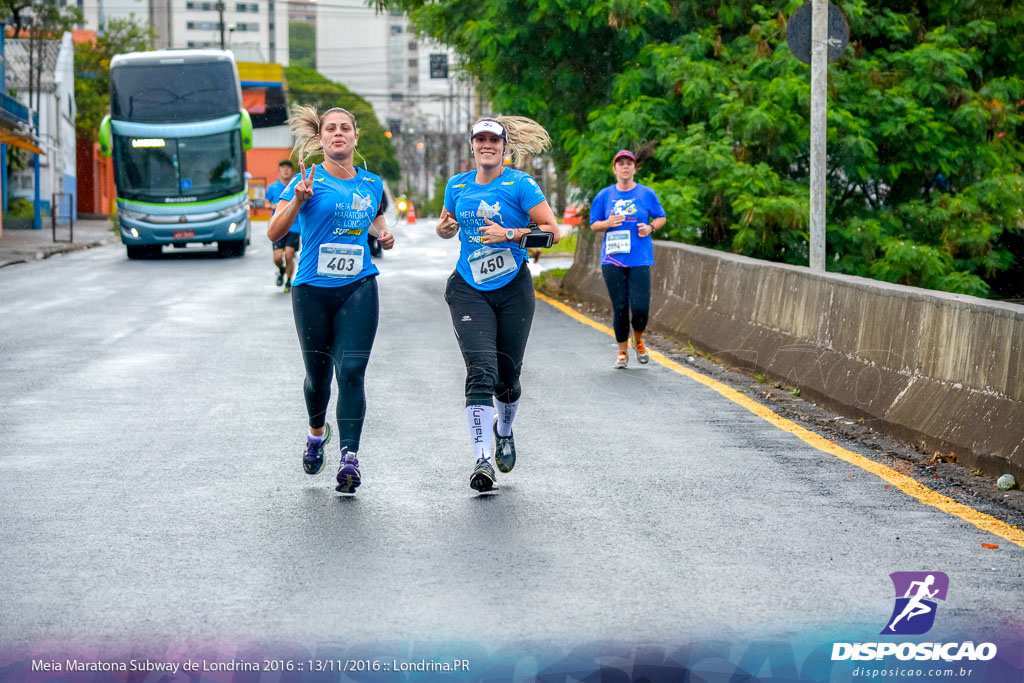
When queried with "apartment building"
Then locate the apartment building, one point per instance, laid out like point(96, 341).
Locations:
point(255, 30)
point(380, 57)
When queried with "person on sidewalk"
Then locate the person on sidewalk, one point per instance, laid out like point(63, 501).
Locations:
point(627, 213)
point(334, 299)
point(284, 248)
point(490, 294)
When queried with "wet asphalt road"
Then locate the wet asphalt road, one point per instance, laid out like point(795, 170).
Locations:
point(151, 490)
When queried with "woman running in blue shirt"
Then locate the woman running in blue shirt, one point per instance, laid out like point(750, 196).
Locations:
point(490, 294)
point(334, 294)
point(628, 213)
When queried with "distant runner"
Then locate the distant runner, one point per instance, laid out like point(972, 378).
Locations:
point(284, 248)
point(334, 300)
point(490, 294)
point(628, 213)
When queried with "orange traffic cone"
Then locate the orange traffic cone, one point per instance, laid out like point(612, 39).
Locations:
point(410, 217)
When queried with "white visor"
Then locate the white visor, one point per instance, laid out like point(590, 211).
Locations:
point(487, 127)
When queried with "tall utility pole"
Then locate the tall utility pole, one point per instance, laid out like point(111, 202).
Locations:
point(819, 126)
point(220, 10)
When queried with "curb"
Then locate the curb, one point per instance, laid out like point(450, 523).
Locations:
point(43, 254)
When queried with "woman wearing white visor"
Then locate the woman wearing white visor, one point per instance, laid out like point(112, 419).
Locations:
point(490, 294)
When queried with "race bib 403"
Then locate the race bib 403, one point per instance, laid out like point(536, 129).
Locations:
point(340, 260)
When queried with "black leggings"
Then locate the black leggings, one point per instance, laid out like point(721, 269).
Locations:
point(336, 327)
point(492, 329)
point(630, 290)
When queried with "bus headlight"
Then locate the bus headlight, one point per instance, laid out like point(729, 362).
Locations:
point(231, 228)
point(133, 215)
point(233, 209)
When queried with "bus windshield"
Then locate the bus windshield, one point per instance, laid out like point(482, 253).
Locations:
point(155, 169)
point(167, 93)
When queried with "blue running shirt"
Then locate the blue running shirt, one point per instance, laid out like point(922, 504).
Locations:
point(639, 205)
point(339, 212)
point(505, 200)
point(273, 195)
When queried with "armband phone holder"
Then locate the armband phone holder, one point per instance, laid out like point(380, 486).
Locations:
point(536, 238)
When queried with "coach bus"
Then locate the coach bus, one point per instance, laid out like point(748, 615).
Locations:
point(177, 133)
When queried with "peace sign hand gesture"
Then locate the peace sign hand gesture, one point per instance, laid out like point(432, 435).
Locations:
point(304, 188)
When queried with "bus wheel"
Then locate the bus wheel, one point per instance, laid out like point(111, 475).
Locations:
point(143, 251)
point(232, 248)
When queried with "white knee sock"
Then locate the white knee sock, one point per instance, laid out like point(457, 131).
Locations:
point(480, 419)
point(506, 414)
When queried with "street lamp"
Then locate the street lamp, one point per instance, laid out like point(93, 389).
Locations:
point(220, 11)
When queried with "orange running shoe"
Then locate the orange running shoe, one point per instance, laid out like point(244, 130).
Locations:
point(641, 352)
point(621, 361)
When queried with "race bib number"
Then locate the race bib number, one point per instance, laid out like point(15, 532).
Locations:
point(488, 264)
point(617, 242)
point(340, 260)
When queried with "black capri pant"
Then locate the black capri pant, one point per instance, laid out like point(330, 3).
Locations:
point(492, 329)
point(629, 290)
point(336, 327)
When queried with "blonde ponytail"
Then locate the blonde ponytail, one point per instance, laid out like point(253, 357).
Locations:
point(523, 136)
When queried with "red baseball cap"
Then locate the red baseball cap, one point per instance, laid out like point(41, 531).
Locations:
point(624, 153)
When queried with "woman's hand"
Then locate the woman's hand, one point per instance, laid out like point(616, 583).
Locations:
point(385, 238)
point(447, 226)
point(304, 188)
point(492, 233)
point(643, 229)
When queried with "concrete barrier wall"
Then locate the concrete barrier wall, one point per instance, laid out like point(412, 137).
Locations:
point(944, 372)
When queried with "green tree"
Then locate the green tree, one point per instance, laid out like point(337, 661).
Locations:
point(309, 87)
point(924, 153)
point(924, 124)
point(92, 68)
point(551, 60)
point(302, 44)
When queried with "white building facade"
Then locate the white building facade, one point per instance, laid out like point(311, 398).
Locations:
point(379, 57)
point(57, 112)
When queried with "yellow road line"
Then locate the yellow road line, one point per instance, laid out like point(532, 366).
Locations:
point(904, 483)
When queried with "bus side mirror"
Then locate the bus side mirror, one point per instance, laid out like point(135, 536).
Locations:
point(246, 130)
point(104, 136)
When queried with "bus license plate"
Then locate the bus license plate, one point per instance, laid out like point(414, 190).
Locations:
point(183, 234)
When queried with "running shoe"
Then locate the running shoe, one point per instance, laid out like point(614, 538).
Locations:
point(482, 478)
point(504, 450)
point(348, 474)
point(280, 277)
point(641, 351)
point(313, 459)
point(288, 288)
point(621, 361)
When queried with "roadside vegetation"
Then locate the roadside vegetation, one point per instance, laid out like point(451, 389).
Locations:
point(926, 113)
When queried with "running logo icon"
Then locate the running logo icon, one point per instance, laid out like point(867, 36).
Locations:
point(487, 211)
point(914, 612)
point(361, 203)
